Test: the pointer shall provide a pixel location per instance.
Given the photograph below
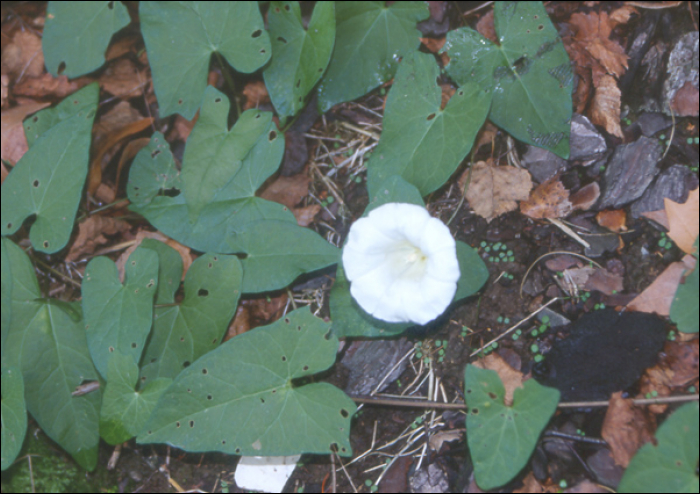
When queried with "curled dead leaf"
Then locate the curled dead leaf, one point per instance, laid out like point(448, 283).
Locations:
point(494, 190)
point(626, 428)
point(549, 200)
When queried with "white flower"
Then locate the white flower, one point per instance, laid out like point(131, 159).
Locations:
point(402, 264)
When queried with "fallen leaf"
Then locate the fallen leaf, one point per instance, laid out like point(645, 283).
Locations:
point(659, 217)
point(684, 221)
point(549, 200)
point(122, 124)
point(685, 101)
point(47, 85)
point(13, 142)
point(658, 297)
point(305, 215)
point(123, 79)
point(511, 378)
point(23, 57)
point(288, 190)
point(615, 220)
point(604, 281)
point(494, 190)
point(437, 440)
point(585, 197)
point(4, 82)
point(433, 45)
point(265, 310)
point(128, 153)
point(240, 323)
point(626, 428)
point(530, 485)
point(184, 251)
point(255, 95)
point(593, 32)
point(676, 370)
point(120, 47)
point(91, 234)
point(605, 110)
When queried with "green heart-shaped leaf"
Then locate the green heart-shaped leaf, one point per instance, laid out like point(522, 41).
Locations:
point(684, 309)
point(48, 180)
point(420, 142)
point(125, 410)
point(502, 438)
point(180, 38)
point(299, 56)
point(77, 35)
point(47, 343)
point(118, 317)
point(370, 40)
point(241, 398)
point(671, 463)
point(184, 332)
point(529, 74)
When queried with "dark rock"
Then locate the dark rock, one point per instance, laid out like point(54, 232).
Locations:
point(673, 183)
point(370, 360)
point(605, 352)
point(438, 23)
point(650, 123)
point(430, 480)
point(542, 164)
point(296, 153)
point(630, 170)
point(682, 83)
point(587, 144)
point(603, 466)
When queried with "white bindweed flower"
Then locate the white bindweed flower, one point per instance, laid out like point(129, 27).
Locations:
point(402, 264)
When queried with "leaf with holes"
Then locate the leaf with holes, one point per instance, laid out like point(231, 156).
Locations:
point(48, 180)
point(370, 40)
point(14, 415)
point(184, 332)
point(501, 438)
point(47, 343)
point(217, 210)
point(350, 320)
point(118, 317)
point(152, 171)
point(181, 37)
point(169, 270)
point(299, 56)
point(670, 464)
point(125, 410)
point(529, 74)
point(76, 35)
point(420, 142)
point(684, 309)
point(246, 398)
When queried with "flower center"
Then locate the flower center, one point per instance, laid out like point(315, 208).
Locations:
point(408, 261)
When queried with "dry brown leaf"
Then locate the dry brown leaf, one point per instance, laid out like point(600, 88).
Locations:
point(658, 297)
point(626, 428)
point(530, 485)
point(585, 197)
point(265, 310)
point(511, 378)
point(13, 143)
point(255, 95)
point(486, 27)
point(23, 57)
point(288, 190)
point(615, 220)
point(123, 127)
point(305, 215)
point(184, 251)
point(91, 234)
point(447, 91)
point(676, 370)
point(4, 82)
point(549, 200)
point(684, 221)
point(122, 78)
point(122, 46)
point(437, 440)
point(47, 85)
point(240, 323)
point(593, 34)
point(433, 45)
point(129, 152)
point(605, 110)
point(493, 191)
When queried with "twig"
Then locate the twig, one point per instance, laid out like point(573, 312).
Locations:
point(569, 232)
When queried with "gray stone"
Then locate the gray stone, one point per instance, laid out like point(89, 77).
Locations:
point(629, 172)
point(587, 144)
point(682, 69)
point(673, 183)
point(542, 164)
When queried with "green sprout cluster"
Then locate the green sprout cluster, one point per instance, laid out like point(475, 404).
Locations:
point(665, 242)
point(498, 252)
